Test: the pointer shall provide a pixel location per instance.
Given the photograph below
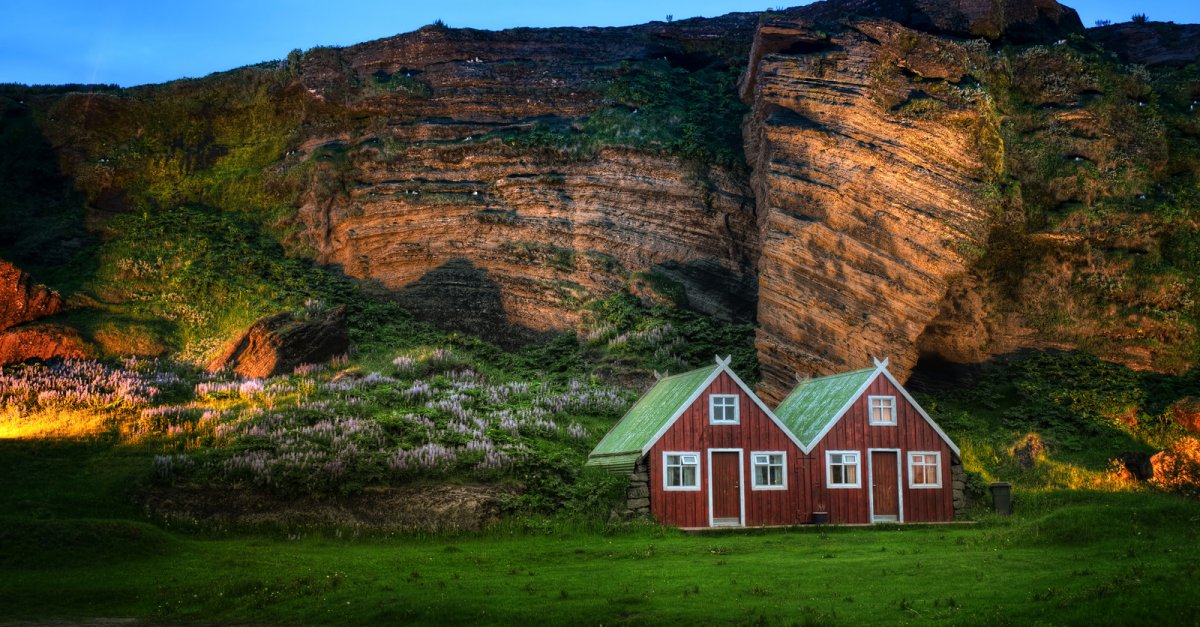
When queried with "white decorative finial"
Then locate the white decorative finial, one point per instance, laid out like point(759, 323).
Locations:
point(722, 362)
point(881, 364)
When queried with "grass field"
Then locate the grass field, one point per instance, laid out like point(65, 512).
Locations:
point(74, 546)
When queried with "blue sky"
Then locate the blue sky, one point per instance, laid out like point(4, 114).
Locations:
point(130, 42)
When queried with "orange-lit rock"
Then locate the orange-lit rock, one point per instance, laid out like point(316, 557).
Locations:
point(22, 300)
point(1186, 413)
point(277, 344)
point(41, 342)
point(1177, 469)
point(863, 211)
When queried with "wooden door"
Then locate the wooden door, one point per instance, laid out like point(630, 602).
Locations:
point(885, 485)
point(726, 488)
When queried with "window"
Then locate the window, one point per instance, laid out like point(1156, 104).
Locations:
point(723, 409)
point(681, 471)
point(883, 410)
point(924, 469)
point(769, 471)
point(842, 469)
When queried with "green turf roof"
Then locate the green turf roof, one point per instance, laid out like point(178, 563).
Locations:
point(816, 402)
point(647, 417)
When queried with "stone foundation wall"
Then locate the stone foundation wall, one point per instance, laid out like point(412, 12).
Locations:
point(958, 481)
point(637, 495)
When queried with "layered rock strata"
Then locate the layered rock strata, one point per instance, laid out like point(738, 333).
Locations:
point(443, 201)
point(864, 209)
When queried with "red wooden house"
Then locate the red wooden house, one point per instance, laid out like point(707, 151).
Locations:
point(704, 451)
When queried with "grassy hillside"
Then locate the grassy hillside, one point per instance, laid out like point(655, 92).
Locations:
point(1094, 244)
point(1062, 420)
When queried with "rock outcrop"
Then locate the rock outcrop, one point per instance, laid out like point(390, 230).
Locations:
point(1177, 469)
point(865, 201)
point(40, 342)
point(279, 343)
point(446, 200)
point(22, 300)
point(1186, 413)
point(1151, 43)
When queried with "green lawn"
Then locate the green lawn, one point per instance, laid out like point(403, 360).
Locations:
point(72, 546)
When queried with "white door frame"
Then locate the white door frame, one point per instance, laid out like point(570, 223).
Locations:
point(741, 488)
point(871, 483)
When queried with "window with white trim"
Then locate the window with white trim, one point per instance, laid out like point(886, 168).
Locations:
point(842, 469)
point(769, 470)
point(924, 469)
point(681, 471)
point(883, 410)
point(723, 409)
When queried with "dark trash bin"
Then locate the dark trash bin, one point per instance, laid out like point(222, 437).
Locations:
point(1001, 498)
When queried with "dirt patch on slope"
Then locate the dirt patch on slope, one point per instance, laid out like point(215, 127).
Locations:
point(401, 509)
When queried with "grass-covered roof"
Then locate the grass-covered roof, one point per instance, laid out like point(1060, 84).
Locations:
point(625, 442)
point(816, 402)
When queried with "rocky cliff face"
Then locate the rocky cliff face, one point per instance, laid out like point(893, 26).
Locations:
point(868, 166)
point(847, 192)
point(446, 200)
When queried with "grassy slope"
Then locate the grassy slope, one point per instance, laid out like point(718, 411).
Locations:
point(1081, 411)
point(1095, 241)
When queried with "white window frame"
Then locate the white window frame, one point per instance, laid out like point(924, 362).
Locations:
point(937, 467)
point(858, 473)
point(667, 471)
point(712, 409)
point(889, 404)
point(783, 470)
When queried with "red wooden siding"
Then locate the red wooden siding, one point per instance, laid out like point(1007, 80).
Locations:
point(755, 432)
point(853, 433)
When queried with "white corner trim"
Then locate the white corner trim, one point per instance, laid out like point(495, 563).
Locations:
point(858, 474)
point(924, 486)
